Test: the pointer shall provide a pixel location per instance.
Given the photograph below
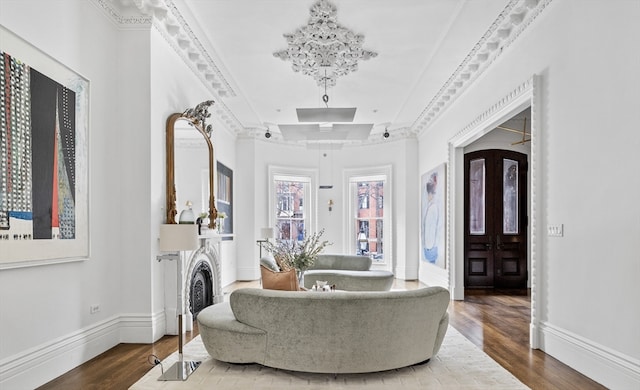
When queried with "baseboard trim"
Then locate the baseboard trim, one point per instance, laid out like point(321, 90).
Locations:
point(134, 328)
point(39, 365)
point(605, 366)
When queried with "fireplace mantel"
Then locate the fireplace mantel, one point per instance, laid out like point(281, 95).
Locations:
point(209, 251)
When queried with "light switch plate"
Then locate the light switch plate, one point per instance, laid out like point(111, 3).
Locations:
point(555, 230)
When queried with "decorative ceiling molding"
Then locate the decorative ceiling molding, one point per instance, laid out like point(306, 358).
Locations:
point(164, 16)
point(512, 96)
point(189, 43)
point(115, 13)
point(323, 49)
point(511, 22)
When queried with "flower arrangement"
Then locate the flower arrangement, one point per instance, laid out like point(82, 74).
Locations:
point(299, 255)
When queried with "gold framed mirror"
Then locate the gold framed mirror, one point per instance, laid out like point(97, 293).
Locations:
point(196, 118)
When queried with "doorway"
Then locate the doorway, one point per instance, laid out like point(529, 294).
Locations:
point(495, 222)
point(527, 94)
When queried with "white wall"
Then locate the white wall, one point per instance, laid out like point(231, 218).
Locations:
point(590, 93)
point(136, 82)
point(253, 181)
point(583, 51)
point(48, 306)
point(133, 113)
point(174, 88)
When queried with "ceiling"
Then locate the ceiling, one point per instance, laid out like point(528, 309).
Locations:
point(428, 51)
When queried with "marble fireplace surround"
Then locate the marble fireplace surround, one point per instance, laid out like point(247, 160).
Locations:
point(207, 252)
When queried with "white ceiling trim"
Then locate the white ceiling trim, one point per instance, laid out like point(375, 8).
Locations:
point(219, 109)
point(163, 15)
point(168, 21)
point(116, 15)
point(511, 22)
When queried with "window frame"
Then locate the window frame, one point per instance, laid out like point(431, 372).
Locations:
point(350, 178)
point(306, 175)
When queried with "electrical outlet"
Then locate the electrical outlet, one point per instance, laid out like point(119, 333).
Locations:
point(93, 309)
point(555, 230)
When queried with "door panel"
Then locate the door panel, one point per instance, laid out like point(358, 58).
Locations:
point(495, 219)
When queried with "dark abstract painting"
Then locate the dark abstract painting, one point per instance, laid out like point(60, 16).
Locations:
point(44, 161)
point(37, 153)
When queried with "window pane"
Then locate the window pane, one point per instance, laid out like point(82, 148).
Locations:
point(476, 197)
point(362, 237)
point(510, 196)
point(368, 226)
point(290, 214)
point(375, 245)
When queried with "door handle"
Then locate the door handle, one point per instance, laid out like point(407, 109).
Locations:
point(489, 245)
point(498, 243)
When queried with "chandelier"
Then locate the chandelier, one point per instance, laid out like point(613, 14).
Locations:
point(323, 49)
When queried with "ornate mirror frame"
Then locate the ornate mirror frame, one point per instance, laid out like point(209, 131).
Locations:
point(196, 118)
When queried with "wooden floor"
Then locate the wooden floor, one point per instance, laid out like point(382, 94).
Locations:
point(498, 322)
point(495, 321)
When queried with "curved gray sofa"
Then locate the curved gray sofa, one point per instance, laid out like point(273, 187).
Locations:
point(327, 332)
point(348, 272)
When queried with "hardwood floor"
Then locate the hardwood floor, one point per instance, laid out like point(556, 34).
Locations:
point(117, 368)
point(498, 322)
point(495, 321)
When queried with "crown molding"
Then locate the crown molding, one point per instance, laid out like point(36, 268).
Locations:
point(121, 15)
point(507, 27)
point(521, 90)
point(164, 16)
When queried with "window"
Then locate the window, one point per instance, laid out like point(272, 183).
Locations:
point(291, 195)
point(363, 201)
point(290, 215)
point(370, 215)
point(369, 220)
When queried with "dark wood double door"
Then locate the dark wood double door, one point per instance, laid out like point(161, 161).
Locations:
point(495, 202)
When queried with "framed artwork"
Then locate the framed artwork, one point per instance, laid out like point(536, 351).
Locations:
point(43, 157)
point(432, 220)
point(224, 200)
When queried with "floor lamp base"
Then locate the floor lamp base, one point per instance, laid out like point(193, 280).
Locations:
point(180, 371)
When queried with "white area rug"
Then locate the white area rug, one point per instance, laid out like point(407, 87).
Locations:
point(458, 365)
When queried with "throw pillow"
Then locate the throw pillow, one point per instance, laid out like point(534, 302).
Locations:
point(286, 280)
point(269, 262)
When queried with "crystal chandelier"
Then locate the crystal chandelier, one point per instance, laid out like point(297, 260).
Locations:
point(324, 49)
